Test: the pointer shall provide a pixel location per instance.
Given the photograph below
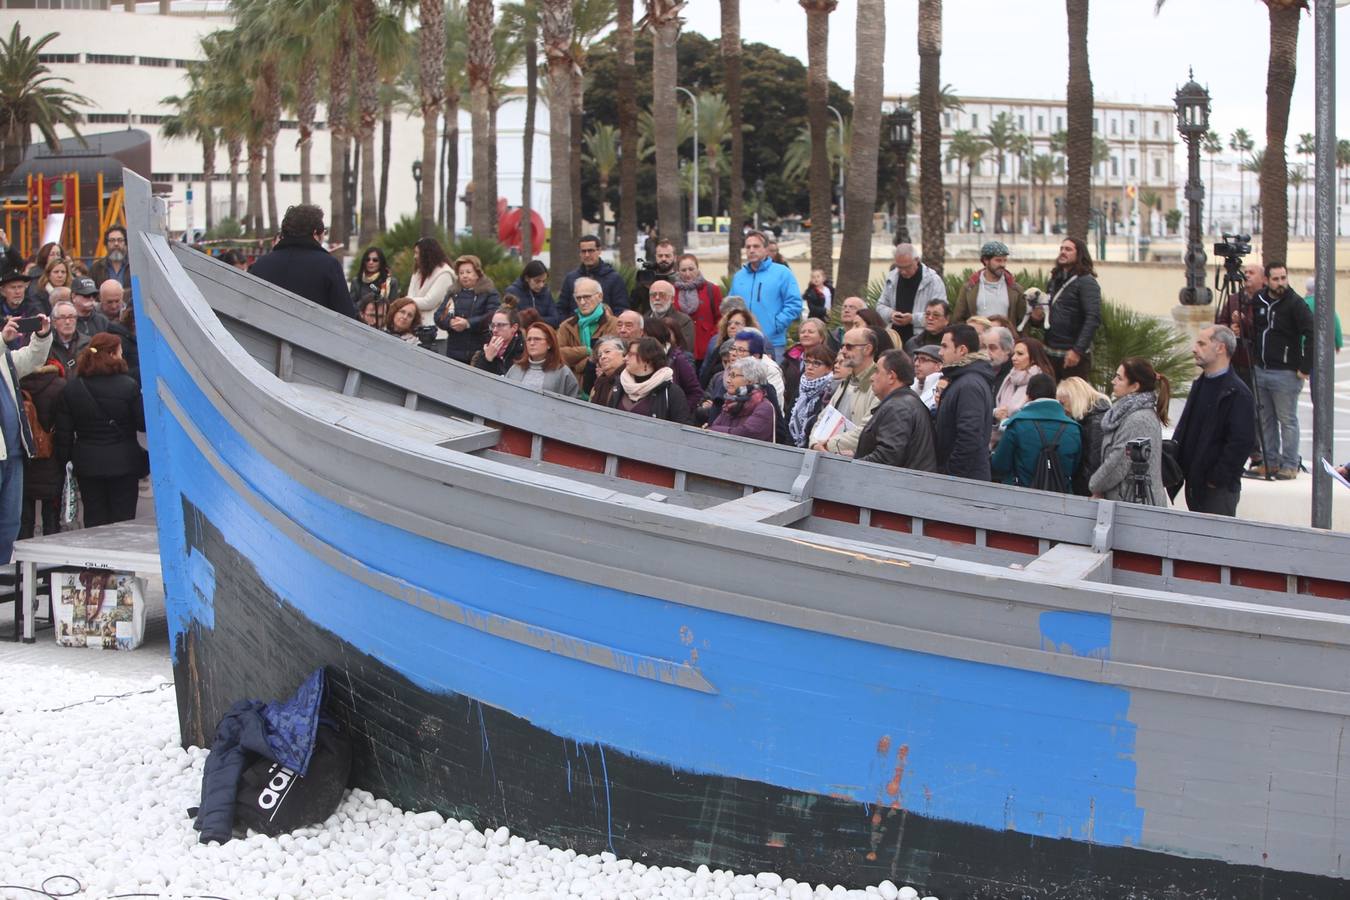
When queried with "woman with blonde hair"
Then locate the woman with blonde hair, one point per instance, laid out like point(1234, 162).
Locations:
point(1085, 405)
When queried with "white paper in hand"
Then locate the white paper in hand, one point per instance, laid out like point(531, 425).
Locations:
point(830, 423)
point(1331, 470)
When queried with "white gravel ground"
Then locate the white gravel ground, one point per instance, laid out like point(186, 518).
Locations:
point(93, 801)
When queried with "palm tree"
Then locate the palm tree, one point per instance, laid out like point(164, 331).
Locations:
point(1298, 177)
point(663, 19)
point(1241, 143)
point(1254, 165)
point(479, 36)
point(855, 253)
point(337, 26)
point(731, 65)
point(1307, 148)
point(1212, 145)
point(1150, 200)
point(1000, 137)
point(797, 156)
point(31, 97)
point(365, 16)
point(392, 41)
point(431, 94)
point(817, 113)
point(1284, 22)
point(934, 219)
point(602, 149)
point(968, 150)
point(530, 46)
point(589, 19)
point(1023, 149)
point(555, 25)
point(456, 61)
point(628, 132)
point(1078, 190)
point(227, 97)
point(1343, 161)
point(714, 130)
point(192, 119)
point(1044, 167)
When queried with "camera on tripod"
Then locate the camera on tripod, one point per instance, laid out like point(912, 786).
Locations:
point(1139, 450)
point(426, 335)
point(1233, 247)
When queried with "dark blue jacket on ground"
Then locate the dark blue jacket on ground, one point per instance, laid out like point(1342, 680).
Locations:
point(303, 267)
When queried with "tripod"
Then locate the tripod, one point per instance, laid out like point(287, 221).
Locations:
point(1139, 486)
point(1234, 283)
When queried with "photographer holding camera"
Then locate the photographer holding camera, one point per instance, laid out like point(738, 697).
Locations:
point(1138, 415)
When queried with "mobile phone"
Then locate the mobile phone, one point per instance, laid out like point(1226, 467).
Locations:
point(29, 324)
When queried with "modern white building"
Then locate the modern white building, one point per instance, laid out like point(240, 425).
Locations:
point(126, 63)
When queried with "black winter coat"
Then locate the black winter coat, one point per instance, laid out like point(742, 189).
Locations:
point(477, 306)
point(1075, 313)
point(964, 416)
point(101, 448)
point(130, 349)
point(302, 267)
point(541, 302)
point(900, 433)
point(43, 478)
point(1216, 432)
point(1283, 332)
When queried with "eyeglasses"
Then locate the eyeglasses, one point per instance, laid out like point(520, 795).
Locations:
point(934, 314)
point(497, 326)
point(585, 296)
point(590, 249)
point(655, 296)
point(856, 346)
point(61, 318)
point(740, 351)
point(817, 363)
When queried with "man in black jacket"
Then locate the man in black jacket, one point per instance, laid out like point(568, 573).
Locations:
point(1216, 427)
point(1075, 311)
point(300, 264)
point(900, 432)
point(1282, 332)
point(966, 407)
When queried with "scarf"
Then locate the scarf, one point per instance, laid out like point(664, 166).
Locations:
point(809, 392)
point(1126, 405)
point(967, 360)
point(586, 324)
point(636, 390)
point(686, 294)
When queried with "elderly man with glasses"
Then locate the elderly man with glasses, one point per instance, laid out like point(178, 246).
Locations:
point(910, 287)
point(936, 318)
point(67, 340)
point(592, 320)
point(853, 398)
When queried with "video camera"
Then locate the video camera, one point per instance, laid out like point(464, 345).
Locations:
point(426, 335)
point(1139, 450)
point(1233, 246)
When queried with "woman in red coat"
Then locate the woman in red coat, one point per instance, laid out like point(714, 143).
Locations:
point(700, 300)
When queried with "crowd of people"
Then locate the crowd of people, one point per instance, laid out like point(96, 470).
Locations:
point(72, 388)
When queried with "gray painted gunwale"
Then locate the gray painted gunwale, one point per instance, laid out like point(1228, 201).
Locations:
point(999, 588)
point(1165, 533)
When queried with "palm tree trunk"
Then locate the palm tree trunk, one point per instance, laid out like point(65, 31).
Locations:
point(998, 193)
point(817, 100)
point(855, 255)
point(578, 99)
point(731, 58)
point(306, 106)
point(628, 133)
point(254, 214)
point(273, 220)
point(386, 147)
point(493, 103)
point(1079, 143)
point(236, 149)
point(1280, 74)
point(531, 41)
point(933, 207)
point(451, 164)
point(479, 36)
point(556, 26)
point(339, 99)
point(209, 176)
point(665, 111)
point(368, 110)
point(431, 89)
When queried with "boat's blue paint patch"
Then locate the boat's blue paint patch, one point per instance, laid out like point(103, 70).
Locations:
point(1079, 633)
point(967, 742)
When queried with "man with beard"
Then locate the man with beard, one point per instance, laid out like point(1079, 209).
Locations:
point(997, 343)
point(602, 273)
point(662, 301)
point(910, 287)
point(966, 407)
point(992, 290)
point(660, 269)
point(1236, 313)
point(115, 264)
point(1074, 311)
point(1282, 333)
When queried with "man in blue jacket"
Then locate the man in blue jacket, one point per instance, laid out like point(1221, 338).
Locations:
point(770, 292)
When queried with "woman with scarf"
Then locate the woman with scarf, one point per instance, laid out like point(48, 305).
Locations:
point(1087, 406)
point(700, 300)
point(811, 333)
point(1028, 358)
point(541, 365)
point(647, 385)
point(746, 411)
point(374, 281)
point(679, 361)
point(1139, 413)
point(813, 391)
point(431, 280)
point(592, 320)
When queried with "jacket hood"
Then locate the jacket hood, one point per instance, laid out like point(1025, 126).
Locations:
point(977, 365)
point(1047, 409)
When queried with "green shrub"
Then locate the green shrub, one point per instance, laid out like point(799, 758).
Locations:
point(488, 251)
point(504, 272)
point(1126, 332)
point(628, 274)
point(226, 229)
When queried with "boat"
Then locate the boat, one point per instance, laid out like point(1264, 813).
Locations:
point(611, 633)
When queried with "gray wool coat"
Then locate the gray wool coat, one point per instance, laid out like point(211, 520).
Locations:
point(1111, 479)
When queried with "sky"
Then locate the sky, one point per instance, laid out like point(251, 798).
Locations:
point(1019, 48)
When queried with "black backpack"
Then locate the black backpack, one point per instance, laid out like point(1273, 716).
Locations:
point(1048, 475)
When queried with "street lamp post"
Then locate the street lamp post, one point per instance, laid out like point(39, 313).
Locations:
point(838, 117)
point(693, 103)
point(1192, 103)
point(417, 183)
point(759, 196)
point(902, 135)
